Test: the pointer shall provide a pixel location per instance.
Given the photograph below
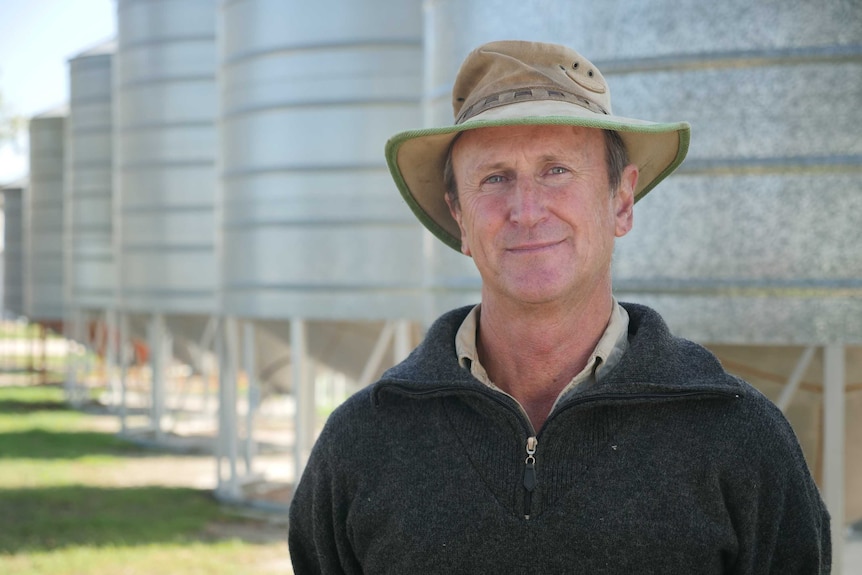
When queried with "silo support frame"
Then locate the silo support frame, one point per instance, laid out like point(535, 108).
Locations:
point(249, 355)
point(161, 345)
point(70, 333)
point(795, 379)
point(124, 360)
point(234, 352)
point(396, 333)
point(303, 389)
point(197, 352)
point(227, 348)
point(208, 339)
point(75, 332)
point(112, 357)
point(834, 387)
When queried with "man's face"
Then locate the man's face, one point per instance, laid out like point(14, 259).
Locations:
point(536, 213)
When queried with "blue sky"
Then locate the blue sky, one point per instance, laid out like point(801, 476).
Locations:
point(37, 38)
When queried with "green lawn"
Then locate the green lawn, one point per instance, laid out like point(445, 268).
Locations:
point(60, 514)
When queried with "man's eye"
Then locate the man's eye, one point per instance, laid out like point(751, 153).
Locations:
point(495, 179)
point(558, 170)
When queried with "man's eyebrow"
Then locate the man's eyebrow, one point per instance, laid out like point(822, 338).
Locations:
point(490, 166)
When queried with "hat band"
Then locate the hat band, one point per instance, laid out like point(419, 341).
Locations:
point(526, 95)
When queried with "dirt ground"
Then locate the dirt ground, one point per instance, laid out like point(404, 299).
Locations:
point(195, 470)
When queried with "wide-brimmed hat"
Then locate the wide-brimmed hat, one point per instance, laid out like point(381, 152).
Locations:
point(515, 83)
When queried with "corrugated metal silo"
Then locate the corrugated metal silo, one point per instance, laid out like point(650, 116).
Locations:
point(90, 270)
point(43, 231)
point(13, 250)
point(312, 224)
point(165, 134)
point(754, 242)
point(313, 231)
point(165, 143)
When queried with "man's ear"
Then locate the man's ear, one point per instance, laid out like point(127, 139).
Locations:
point(624, 200)
point(455, 210)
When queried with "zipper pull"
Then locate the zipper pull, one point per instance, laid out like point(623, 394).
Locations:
point(530, 475)
point(530, 471)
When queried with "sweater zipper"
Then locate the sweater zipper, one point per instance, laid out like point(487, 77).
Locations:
point(530, 479)
point(530, 474)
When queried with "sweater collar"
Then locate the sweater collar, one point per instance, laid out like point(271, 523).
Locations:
point(655, 362)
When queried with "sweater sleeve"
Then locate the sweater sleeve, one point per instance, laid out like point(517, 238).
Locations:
point(317, 531)
point(782, 524)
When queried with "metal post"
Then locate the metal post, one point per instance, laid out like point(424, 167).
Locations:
point(228, 431)
point(71, 383)
point(795, 379)
point(159, 345)
point(124, 361)
point(250, 368)
point(43, 336)
point(111, 359)
point(206, 343)
point(372, 365)
point(833, 446)
point(303, 389)
point(33, 339)
point(223, 369)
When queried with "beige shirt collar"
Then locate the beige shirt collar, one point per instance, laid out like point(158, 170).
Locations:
point(611, 347)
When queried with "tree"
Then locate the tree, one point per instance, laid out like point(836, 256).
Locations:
point(11, 125)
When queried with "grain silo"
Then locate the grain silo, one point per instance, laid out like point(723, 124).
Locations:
point(318, 250)
point(165, 138)
point(751, 248)
point(89, 250)
point(43, 220)
point(13, 249)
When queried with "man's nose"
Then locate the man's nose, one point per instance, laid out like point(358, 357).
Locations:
point(528, 202)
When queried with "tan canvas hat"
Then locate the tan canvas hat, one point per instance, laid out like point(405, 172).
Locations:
point(511, 83)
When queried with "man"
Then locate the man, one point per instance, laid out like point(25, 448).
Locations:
point(550, 429)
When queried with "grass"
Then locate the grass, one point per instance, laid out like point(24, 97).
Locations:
point(61, 515)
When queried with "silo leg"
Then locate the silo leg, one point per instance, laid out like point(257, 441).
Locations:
point(303, 389)
point(833, 446)
point(160, 348)
point(124, 360)
point(228, 432)
point(250, 368)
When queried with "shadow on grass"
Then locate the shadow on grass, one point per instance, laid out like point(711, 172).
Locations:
point(57, 517)
point(28, 399)
point(30, 415)
point(12, 407)
point(41, 444)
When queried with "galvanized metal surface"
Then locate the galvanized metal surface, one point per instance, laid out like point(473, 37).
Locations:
point(165, 99)
point(313, 227)
point(43, 227)
point(91, 278)
point(13, 249)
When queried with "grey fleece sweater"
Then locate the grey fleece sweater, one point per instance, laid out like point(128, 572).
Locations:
point(668, 465)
